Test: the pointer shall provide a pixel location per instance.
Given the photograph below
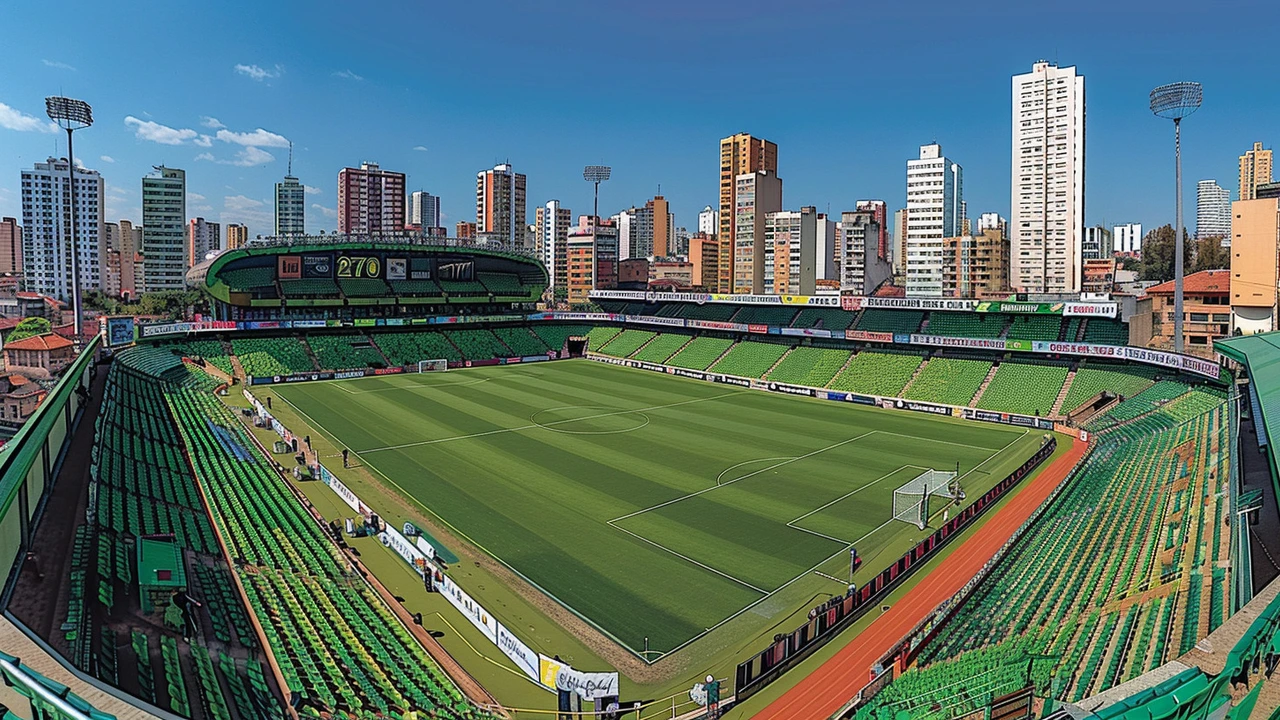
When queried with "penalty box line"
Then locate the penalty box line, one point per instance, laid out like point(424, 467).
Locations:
point(534, 426)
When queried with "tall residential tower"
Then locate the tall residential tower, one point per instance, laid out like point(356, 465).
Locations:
point(935, 202)
point(46, 244)
point(1213, 210)
point(1047, 180)
point(164, 229)
point(1255, 170)
point(291, 207)
point(739, 154)
point(500, 204)
point(370, 200)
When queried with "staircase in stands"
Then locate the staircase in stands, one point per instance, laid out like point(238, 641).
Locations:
point(914, 375)
point(776, 364)
point(995, 367)
point(385, 360)
point(1062, 394)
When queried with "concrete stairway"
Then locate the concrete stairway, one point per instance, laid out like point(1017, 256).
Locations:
point(1062, 395)
point(985, 382)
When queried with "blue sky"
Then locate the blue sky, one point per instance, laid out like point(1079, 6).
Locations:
point(441, 90)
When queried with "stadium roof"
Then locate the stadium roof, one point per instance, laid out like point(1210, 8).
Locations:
point(1261, 355)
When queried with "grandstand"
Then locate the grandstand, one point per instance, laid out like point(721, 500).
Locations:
point(873, 373)
point(948, 380)
point(750, 359)
point(809, 366)
point(700, 353)
point(1023, 388)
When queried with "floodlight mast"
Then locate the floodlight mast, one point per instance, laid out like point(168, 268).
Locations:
point(1174, 102)
point(71, 115)
point(596, 174)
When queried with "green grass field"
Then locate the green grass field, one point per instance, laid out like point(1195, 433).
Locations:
point(655, 507)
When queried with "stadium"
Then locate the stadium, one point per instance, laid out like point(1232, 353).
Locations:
point(379, 479)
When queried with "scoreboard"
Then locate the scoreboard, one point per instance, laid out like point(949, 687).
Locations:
point(377, 265)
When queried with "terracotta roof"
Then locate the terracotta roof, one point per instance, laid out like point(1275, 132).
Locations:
point(890, 291)
point(1205, 282)
point(47, 341)
point(9, 323)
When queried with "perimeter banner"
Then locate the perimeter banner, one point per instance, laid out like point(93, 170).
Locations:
point(588, 685)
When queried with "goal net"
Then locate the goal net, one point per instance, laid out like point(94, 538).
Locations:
point(433, 365)
point(911, 501)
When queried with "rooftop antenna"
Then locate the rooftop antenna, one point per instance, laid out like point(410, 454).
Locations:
point(290, 158)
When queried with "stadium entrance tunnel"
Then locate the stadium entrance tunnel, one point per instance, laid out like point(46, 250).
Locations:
point(589, 420)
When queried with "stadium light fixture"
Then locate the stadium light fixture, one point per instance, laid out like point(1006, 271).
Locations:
point(596, 174)
point(1174, 102)
point(71, 115)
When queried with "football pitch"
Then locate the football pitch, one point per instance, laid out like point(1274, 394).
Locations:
point(652, 506)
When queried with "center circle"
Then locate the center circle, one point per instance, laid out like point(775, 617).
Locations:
point(589, 420)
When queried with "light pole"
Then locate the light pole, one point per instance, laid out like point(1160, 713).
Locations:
point(596, 174)
point(1176, 101)
point(71, 115)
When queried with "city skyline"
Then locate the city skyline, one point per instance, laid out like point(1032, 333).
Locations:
point(268, 97)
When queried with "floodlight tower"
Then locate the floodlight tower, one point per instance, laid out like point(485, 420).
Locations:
point(71, 115)
point(1176, 101)
point(596, 174)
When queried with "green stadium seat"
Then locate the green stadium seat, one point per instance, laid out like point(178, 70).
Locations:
point(874, 373)
point(750, 359)
point(700, 353)
point(1024, 388)
point(626, 342)
point(969, 325)
point(894, 321)
point(661, 347)
point(948, 380)
point(265, 357)
point(345, 352)
point(810, 366)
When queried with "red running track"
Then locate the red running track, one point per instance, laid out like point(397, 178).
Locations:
point(836, 681)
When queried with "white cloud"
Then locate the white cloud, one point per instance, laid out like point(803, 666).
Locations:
point(106, 158)
point(58, 65)
point(211, 122)
point(257, 138)
point(240, 202)
point(347, 74)
point(420, 148)
point(313, 190)
point(258, 73)
point(195, 197)
point(203, 141)
point(251, 156)
point(248, 157)
point(157, 133)
point(327, 212)
point(14, 119)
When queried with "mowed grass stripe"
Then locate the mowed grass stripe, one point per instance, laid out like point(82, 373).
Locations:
point(540, 500)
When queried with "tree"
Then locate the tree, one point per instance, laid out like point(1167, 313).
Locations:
point(1210, 255)
point(1157, 253)
point(30, 327)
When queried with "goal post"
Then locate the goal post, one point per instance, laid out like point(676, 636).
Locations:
point(911, 501)
point(433, 365)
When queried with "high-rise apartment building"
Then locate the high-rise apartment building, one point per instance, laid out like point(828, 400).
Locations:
point(1213, 210)
point(976, 266)
point(1255, 274)
point(829, 248)
point(881, 214)
point(424, 212)
point(164, 231)
point(704, 255)
point(739, 154)
point(900, 242)
point(500, 203)
point(626, 222)
point(1097, 243)
point(664, 227)
point(1127, 239)
point(1255, 170)
point(133, 265)
point(935, 201)
point(993, 221)
point(237, 236)
point(592, 250)
point(10, 246)
point(291, 207)
point(551, 222)
point(756, 194)
point(790, 252)
point(862, 267)
point(46, 224)
point(709, 221)
point(370, 200)
point(1047, 180)
point(203, 237)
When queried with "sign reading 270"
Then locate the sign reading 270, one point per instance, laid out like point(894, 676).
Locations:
point(352, 266)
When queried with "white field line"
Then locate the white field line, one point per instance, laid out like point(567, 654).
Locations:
point(686, 558)
point(409, 386)
point(792, 523)
point(544, 426)
point(744, 477)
